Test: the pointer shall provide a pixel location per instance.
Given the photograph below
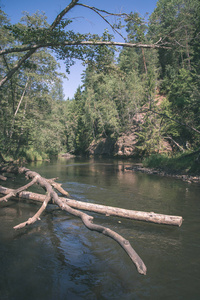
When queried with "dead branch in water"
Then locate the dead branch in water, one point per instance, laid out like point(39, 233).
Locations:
point(73, 207)
point(103, 209)
point(86, 219)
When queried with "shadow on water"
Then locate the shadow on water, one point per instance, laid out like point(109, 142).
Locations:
point(58, 258)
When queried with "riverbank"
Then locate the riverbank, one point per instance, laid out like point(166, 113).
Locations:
point(185, 167)
point(160, 172)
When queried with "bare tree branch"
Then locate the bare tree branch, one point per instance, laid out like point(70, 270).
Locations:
point(151, 217)
point(18, 106)
point(36, 217)
point(86, 219)
point(171, 139)
point(104, 11)
point(15, 192)
point(97, 11)
point(58, 187)
point(81, 43)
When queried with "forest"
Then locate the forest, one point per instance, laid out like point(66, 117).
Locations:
point(150, 87)
point(139, 98)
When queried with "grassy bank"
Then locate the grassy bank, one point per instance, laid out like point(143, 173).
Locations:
point(187, 163)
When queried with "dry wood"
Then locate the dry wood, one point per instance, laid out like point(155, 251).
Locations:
point(13, 193)
point(36, 217)
point(86, 219)
point(107, 210)
point(80, 43)
point(58, 187)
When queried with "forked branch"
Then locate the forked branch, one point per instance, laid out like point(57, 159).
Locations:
point(17, 191)
point(86, 219)
point(151, 217)
point(36, 217)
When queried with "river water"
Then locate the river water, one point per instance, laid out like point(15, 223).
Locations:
point(58, 258)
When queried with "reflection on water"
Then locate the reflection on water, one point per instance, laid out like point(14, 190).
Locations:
point(58, 258)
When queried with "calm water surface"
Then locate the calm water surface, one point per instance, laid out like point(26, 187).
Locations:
point(58, 258)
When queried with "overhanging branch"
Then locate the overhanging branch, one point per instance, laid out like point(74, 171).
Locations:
point(81, 43)
point(31, 49)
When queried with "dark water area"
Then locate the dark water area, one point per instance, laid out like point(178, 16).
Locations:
point(58, 258)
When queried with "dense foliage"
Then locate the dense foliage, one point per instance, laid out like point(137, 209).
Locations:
point(155, 91)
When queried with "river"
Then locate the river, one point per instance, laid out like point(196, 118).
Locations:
point(58, 258)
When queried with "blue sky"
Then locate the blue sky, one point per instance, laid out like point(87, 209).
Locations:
point(84, 21)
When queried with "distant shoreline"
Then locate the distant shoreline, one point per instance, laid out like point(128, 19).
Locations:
point(160, 172)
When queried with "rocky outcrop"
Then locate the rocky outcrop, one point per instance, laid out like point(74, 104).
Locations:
point(124, 146)
point(102, 146)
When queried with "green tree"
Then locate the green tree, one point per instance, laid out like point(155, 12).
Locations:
point(26, 100)
point(175, 23)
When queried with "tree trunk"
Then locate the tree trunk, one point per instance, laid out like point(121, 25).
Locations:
point(144, 61)
point(18, 106)
point(73, 207)
point(105, 210)
point(52, 195)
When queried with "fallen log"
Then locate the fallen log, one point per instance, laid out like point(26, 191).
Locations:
point(86, 219)
point(106, 210)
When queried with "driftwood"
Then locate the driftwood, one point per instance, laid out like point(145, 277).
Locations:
point(73, 207)
point(86, 219)
point(103, 209)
